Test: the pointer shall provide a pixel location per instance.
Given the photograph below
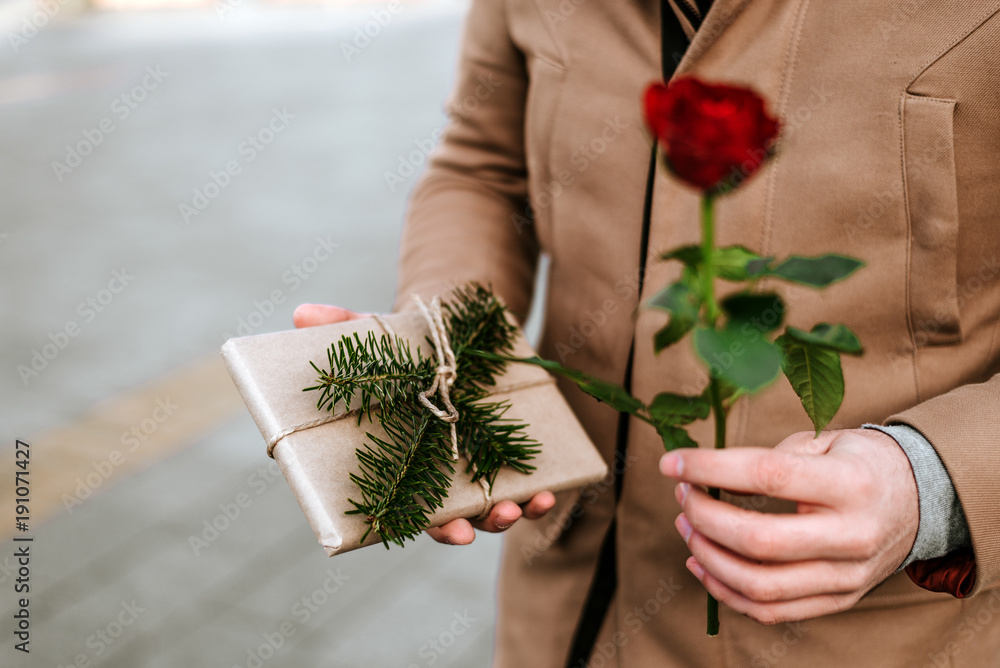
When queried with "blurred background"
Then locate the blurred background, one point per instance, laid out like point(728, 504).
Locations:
point(173, 173)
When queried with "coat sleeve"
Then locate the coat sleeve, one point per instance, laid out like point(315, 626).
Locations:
point(963, 425)
point(465, 217)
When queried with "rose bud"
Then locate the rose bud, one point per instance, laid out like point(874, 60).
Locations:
point(714, 136)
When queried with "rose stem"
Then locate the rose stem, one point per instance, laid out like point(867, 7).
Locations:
point(714, 391)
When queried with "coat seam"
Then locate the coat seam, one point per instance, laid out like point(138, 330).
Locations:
point(552, 38)
point(993, 341)
point(958, 40)
point(551, 63)
point(549, 163)
point(942, 100)
point(907, 287)
point(914, 598)
point(788, 76)
point(556, 43)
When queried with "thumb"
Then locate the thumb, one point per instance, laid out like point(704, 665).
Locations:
point(311, 315)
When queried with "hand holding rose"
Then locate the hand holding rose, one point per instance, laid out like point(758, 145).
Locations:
point(856, 522)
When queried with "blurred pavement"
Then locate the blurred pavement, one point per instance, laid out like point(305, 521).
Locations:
point(168, 180)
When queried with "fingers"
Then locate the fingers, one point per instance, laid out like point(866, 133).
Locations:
point(462, 532)
point(769, 536)
point(502, 516)
point(773, 581)
point(456, 532)
point(311, 315)
point(772, 612)
point(539, 505)
point(770, 472)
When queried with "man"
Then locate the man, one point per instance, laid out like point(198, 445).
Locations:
point(891, 126)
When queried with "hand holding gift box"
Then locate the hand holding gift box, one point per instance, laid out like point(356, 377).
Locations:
point(370, 450)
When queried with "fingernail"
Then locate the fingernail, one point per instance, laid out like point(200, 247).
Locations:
point(449, 541)
point(505, 522)
point(684, 527)
point(693, 566)
point(682, 492)
point(671, 465)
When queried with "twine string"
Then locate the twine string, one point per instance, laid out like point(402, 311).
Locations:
point(444, 379)
point(487, 497)
point(446, 372)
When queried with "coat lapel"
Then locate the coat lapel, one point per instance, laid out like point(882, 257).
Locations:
point(720, 17)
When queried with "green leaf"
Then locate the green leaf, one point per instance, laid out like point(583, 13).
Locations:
point(817, 272)
point(758, 268)
point(670, 409)
point(727, 392)
point(834, 337)
point(691, 256)
point(762, 312)
point(682, 303)
point(815, 374)
point(676, 298)
point(611, 394)
point(671, 333)
point(689, 277)
point(739, 356)
point(675, 437)
point(736, 263)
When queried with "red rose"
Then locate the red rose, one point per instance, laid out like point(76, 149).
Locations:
point(714, 136)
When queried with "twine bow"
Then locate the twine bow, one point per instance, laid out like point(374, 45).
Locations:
point(446, 372)
point(444, 378)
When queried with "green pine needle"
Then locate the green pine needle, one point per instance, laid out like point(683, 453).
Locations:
point(404, 477)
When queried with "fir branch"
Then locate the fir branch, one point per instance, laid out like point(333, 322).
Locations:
point(370, 369)
point(477, 321)
point(491, 441)
point(405, 476)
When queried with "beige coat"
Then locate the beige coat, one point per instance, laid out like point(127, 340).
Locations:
point(889, 153)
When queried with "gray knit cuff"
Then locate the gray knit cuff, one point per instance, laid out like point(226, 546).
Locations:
point(943, 528)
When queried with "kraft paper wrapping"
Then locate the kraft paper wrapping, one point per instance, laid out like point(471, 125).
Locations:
point(270, 371)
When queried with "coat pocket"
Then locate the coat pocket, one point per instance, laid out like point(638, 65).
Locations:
point(932, 217)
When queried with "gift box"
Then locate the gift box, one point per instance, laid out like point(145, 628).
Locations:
point(316, 451)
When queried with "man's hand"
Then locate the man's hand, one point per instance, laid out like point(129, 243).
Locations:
point(457, 532)
point(856, 522)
